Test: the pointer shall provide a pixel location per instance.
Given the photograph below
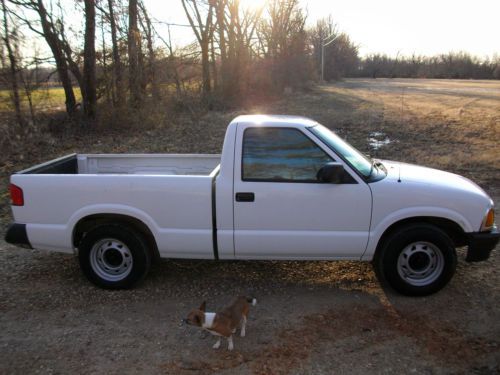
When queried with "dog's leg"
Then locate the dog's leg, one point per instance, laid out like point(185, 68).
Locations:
point(230, 345)
point(234, 330)
point(217, 344)
point(243, 326)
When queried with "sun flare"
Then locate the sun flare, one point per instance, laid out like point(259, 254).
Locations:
point(253, 4)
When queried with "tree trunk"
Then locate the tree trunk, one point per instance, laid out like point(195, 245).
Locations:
point(204, 33)
point(58, 53)
point(133, 55)
point(73, 67)
point(13, 68)
point(205, 66)
point(173, 64)
point(214, 65)
point(152, 79)
point(221, 4)
point(117, 64)
point(29, 94)
point(108, 84)
point(89, 75)
point(140, 65)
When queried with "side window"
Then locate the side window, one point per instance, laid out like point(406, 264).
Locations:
point(280, 154)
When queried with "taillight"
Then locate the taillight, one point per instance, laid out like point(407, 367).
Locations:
point(16, 195)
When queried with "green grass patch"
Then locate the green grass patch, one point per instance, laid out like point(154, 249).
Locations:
point(43, 98)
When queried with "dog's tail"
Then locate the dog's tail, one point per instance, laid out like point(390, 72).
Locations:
point(252, 300)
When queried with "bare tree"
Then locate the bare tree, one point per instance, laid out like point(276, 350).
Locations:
point(172, 66)
point(8, 36)
point(283, 38)
point(105, 85)
point(459, 65)
point(29, 79)
point(134, 51)
point(86, 79)
point(89, 61)
point(151, 77)
point(324, 30)
point(117, 63)
point(220, 6)
point(73, 59)
point(240, 27)
point(340, 53)
point(50, 33)
point(204, 33)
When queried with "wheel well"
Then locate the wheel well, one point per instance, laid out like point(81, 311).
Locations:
point(451, 228)
point(90, 222)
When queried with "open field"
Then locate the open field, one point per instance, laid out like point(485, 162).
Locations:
point(312, 317)
point(44, 99)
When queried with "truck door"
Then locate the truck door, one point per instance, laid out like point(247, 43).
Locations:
point(281, 211)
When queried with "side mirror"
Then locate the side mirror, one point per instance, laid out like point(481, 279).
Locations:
point(331, 173)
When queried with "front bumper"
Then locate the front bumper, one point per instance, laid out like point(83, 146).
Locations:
point(16, 235)
point(481, 244)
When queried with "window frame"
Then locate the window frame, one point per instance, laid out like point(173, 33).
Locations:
point(242, 169)
point(367, 179)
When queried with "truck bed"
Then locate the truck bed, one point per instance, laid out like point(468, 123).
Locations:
point(170, 194)
point(138, 164)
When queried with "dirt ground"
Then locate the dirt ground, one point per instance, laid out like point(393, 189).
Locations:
point(311, 317)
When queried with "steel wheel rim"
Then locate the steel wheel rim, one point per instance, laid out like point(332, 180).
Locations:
point(111, 259)
point(420, 263)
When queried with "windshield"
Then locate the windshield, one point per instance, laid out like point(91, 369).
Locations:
point(355, 158)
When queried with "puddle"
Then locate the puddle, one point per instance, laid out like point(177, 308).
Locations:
point(376, 140)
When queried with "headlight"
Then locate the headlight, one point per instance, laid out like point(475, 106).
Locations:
point(488, 221)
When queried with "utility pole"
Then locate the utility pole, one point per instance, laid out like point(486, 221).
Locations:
point(324, 43)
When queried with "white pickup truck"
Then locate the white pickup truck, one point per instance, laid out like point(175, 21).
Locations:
point(284, 188)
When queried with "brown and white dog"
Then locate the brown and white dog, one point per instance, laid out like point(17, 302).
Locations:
point(223, 323)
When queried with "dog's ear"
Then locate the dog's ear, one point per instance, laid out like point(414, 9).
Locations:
point(203, 306)
point(197, 320)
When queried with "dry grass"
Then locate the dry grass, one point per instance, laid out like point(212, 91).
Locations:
point(446, 124)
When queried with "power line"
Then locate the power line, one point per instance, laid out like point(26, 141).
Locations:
point(172, 24)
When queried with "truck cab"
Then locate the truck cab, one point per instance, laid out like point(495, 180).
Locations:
point(280, 208)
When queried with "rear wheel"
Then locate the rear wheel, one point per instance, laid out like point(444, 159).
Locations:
point(114, 256)
point(416, 260)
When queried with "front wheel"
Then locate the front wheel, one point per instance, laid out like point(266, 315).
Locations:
point(114, 256)
point(416, 260)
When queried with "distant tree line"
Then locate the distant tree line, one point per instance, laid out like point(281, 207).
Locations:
point(119, 60)
point(455, 65)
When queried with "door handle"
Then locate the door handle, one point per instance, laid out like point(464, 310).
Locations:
point(245, 197)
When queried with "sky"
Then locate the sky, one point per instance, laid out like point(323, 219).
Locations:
point(425, 27)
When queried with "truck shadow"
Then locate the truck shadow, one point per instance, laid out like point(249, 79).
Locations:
point(243, 276)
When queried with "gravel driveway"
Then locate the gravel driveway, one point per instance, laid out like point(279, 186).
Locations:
point(311, 317)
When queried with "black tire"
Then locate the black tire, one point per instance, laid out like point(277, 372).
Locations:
point(416, 260)
point(114, 256)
